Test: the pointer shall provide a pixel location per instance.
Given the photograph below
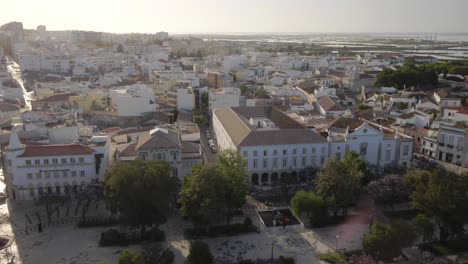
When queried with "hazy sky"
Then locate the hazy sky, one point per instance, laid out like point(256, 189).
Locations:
point(240, 15)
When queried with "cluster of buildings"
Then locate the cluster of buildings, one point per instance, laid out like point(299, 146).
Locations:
point(75, 102)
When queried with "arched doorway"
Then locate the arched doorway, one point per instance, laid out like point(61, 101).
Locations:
point(294, 175)
point(264, 178)
point(284, 174)
point(255, 178)
point(274, 177)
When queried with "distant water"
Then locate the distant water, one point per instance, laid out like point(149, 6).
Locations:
point(308, 37)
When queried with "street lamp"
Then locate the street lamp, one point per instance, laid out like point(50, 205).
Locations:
point(336, 244)
point(273, 242)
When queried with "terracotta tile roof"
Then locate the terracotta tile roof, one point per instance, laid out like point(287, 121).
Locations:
point(129, 151)
point(463, 110)
point(190, 147)
point(7, 107)
point(56, 150)
point(110, 130)
point(58, 97)
point(330, 104)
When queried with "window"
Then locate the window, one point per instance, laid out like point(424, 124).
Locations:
point(245, 154)
point(294, 151)
point(265, 152)
point(82, 173)
point(46, 161)
point(38, 175)
point(313, 160)
point(285, 151)
point(47, 175)
point(265, 163)
point(81, 160)
point(363, 149)
point(313, 150)
point(285, 162)
point(432, 145)
point(29, 175)
point(304, 150)
point(405, 150)
point(322, 160)
point(338, 156)
point(387, 154)
point(72, 160)
point(255, 153)
point(54, 161)
point(255, 163)
point(65, 174)
point(174, 156)
point(73, 173)
point(28, 162)
point(64, 161)
point(37, 162)
point(294, 162)
point(303, 162)
point(159, 156)
point(275, 162)
point(56, 174)
point(275, 152)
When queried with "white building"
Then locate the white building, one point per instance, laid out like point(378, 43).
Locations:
point(33, 169)
point(165, 144)
point(451, 143)
point(223, 97)
point(274, 144)
point(185, 99)
point(134, 100)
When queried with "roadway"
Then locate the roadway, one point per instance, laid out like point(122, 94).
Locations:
point(208, 156)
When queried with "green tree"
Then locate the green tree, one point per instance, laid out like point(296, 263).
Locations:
point(129, 257)
point(312, 206)
point(403, 232)
point(200, 253)
point(232, 167)
point(443, 195)
point(381, 242)
point(388, 190)
point(355, 163)
point(339, 184)
point(203, 197)
point(200, 120)
point(140, 191)
point(155, 254)
point(213, 193)
point(424, 227)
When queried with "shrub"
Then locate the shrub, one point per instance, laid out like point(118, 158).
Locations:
point(219, 230)
point(286, 260)
point(332, 257)
point(97, 222)
point(113, 237)
point(199, 253)
point(248, 221)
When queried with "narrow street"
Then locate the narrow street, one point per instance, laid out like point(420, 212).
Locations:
point(15, 71)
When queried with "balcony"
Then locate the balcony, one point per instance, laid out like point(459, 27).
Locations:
point(449, 146)
point(441, 144)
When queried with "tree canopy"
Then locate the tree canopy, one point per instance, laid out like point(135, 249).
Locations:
point(410, 74)
point(199, 253)
point(213, 193)
point(388, 190)
point(443, 195)
point(140, 191)
point(312, 206)
point(340, 181)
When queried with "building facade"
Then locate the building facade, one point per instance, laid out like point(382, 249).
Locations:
point(274, 144)
point(32, 170)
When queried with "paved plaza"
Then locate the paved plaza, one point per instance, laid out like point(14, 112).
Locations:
point(63, 243)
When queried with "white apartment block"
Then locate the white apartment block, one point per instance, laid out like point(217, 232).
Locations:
point(274, 144)
point(223, 97)
point(134, 100)
point(451, 143)
point(33, 169)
